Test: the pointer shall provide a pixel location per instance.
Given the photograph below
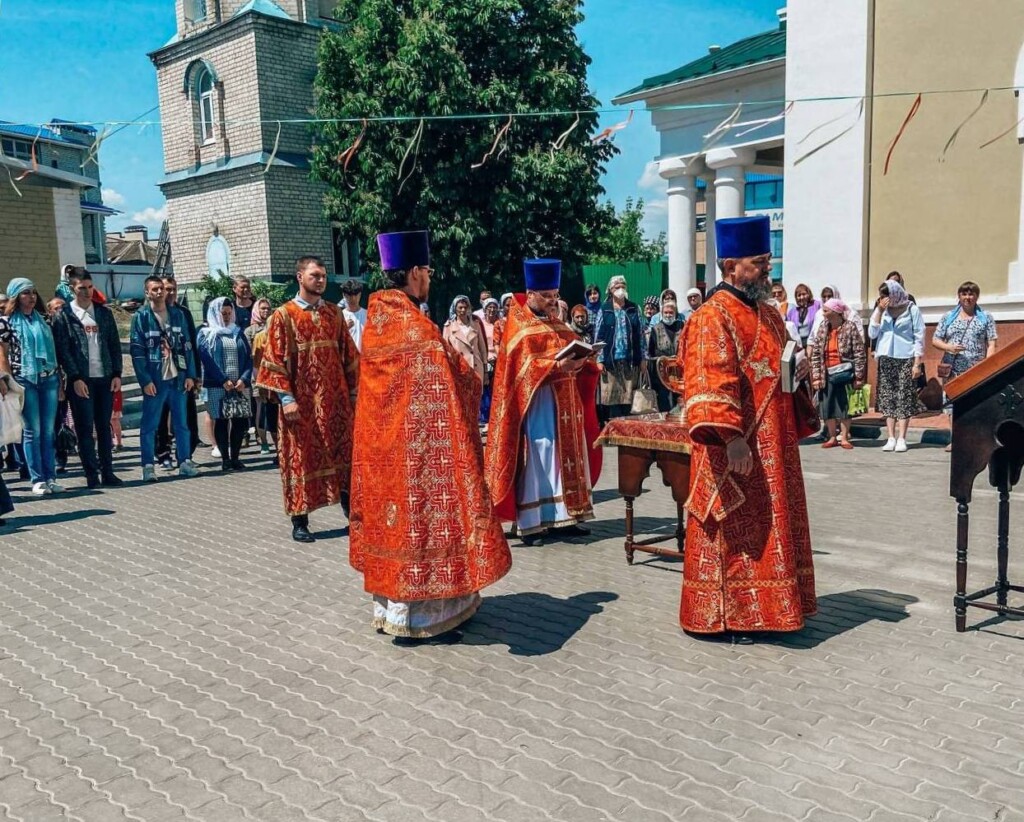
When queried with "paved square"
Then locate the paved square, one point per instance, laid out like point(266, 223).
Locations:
point(166, 652)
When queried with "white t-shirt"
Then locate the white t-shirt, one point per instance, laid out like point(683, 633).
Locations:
point(92, 336)
point(356, 321)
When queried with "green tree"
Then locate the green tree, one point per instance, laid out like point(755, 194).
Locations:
point(624, 241)
point(416, 58)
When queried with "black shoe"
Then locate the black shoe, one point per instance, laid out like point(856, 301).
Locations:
point(111, 481)
point(23, 473)
point(533, 539)
point(573, 531)
point(237, 465)
point(226, 466)
point(62, 469)
point(452, 637)
point(300, 533)
point(345, 504)
point(92, 481)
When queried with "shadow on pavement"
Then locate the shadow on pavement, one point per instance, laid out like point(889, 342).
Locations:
point(17, 524)
point(986, 626)
point(839, 613)
point(531, 623)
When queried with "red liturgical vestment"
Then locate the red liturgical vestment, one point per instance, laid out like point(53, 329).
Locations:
point(310, 355)
point(526, 364)
point(422, 523)
point(748, 549)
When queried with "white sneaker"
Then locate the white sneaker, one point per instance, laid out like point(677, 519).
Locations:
point(901, 446)
point(53, 488)
point(148, 473)
point(215, 452)
point(890, 445)
point(188, 469)
point(39, 489)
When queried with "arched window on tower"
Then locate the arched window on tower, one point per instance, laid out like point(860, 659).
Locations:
point(204, 95)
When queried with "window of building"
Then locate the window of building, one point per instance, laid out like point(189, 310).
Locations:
point(18, 149)
point(196, 10)
point(328, 9)
point(204, 88)
point(218, 257)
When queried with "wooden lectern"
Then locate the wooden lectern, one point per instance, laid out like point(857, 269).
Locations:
point(988, 432)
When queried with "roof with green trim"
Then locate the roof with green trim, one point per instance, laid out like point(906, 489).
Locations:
point(769, 45)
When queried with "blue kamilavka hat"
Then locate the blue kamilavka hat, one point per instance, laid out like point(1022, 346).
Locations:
point(402, 250)
point(542, 275)
point(737, 237)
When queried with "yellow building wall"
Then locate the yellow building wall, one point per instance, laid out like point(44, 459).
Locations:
point(940, 223)
point(28, 237)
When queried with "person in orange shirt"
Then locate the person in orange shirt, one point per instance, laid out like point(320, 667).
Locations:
point(838, 358)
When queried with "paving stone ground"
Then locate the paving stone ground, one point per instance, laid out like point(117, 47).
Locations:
point(166, 652)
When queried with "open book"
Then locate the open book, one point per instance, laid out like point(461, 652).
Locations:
point(577, 350)
point(789, 356)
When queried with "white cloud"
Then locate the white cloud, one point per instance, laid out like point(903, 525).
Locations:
point(150, 216)
point(650, 180)
point(655, 217)
point(112, 198)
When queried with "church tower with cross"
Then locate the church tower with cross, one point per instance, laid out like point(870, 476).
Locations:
point(240, 198)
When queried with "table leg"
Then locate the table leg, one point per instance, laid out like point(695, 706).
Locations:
point(680, 527)
point(960, 600)
point(629, 530)
point(1002, 546)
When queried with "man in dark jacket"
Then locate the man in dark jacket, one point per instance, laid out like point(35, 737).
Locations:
point(163, 432)
point(89, 351)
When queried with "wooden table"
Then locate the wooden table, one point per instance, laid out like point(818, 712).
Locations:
point(645, 440)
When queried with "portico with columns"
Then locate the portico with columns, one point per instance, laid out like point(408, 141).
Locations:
point(687, 105)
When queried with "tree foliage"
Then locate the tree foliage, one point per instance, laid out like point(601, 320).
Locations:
point(624, 241)
point(214, 287)
point(413, 58)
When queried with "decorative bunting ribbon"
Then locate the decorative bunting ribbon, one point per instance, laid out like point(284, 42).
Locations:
point(719, 131)
point(346, 156)
point(35, 160)
point(559, 144)
point(899, 134)
point(758, 124)
point(273, 154)
point(609, 133)
point(956, 133)
point(497, 139)
point(414, 149)
point(859, 109)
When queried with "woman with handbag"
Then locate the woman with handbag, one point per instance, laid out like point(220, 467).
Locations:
point(662, 342)
point(227, 370)
point(838, 360)
point(966, 336)
point(898, 329)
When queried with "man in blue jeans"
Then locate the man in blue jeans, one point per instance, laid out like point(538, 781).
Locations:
point(89, 351)
point(164, 363)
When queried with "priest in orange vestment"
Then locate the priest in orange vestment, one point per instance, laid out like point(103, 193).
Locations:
point(541, 463)
point(310, 361)
point(748, 560)
point(424, 534)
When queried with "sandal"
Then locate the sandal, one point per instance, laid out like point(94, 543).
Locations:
point(846, 444)
point(832, 443)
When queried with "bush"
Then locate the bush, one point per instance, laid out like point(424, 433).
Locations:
point(215, 287)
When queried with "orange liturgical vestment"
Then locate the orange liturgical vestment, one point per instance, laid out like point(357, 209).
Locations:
point(748, 560)
point(423, 527)
point(309, 355)
point(526, 363)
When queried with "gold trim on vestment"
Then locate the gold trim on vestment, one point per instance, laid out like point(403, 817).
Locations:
point(713, 397)
point(307, 346)
point(617, 441)
point(540, 502)
point(381, 623)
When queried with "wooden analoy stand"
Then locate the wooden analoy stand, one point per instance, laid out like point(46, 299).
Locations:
point(643, 441)
point(988, 431)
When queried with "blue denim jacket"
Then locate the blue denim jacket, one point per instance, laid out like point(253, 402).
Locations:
point(147, 357)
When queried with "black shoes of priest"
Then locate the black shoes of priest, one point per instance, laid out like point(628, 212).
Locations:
point(573, 530)
point(300, 530)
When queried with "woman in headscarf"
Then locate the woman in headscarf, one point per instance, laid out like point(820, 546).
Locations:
point(266, 402)
point(227, 374)
point(29, 355)
point(465, 334)
point(664, 336)
point(898, 329)
point(491, 318)
point(621, 328)
point(499, 326)
point(803, 314)
point(838, 359)
point(781, 297)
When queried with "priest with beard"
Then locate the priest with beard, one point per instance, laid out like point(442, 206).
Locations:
point(748, 564)
point(423, 532)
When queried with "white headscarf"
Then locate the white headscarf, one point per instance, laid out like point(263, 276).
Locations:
point(215, 325)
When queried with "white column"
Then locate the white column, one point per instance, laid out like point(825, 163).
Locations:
point(711, 277)
point(682, 222)
point(730, 165)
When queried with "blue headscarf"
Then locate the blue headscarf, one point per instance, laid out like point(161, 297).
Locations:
point(455, 302)
point(38, 353)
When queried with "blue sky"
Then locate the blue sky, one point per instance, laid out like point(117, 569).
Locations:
point(85, 60)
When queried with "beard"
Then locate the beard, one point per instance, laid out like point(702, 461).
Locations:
point(758, 291)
